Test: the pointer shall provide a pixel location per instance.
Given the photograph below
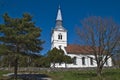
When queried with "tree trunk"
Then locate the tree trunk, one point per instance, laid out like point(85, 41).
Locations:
point(99, 71)
point(15, 68)
point(9, 66)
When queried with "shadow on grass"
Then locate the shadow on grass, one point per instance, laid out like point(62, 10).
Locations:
point(32, 76)
point(109, 73)
point(106, 75)
point(85, 75)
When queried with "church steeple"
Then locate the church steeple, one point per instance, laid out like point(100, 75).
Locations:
point(59, 33)
point(59, 25)
point(59, 15)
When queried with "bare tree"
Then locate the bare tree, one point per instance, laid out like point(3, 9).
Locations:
point(116, 57)
point(102, 36)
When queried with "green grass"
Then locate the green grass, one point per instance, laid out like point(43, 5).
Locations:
point(1, 74)
point(108, 74)
point(71, 75)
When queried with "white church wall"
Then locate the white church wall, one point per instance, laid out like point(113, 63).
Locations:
point(79, 62)
point(109, 63)
point(58, 65)
point(63, 33)
point(59, 42)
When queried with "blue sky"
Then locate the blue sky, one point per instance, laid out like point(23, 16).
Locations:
point(73, 11)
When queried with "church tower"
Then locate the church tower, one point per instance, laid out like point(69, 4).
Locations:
point(59, 33)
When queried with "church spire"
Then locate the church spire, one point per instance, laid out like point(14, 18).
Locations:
point(59, 33)
point(59, 25)
point(59, 15)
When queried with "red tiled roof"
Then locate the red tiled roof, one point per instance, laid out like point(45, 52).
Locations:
point(77, 49)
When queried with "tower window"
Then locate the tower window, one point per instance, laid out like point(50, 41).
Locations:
point(60, 36)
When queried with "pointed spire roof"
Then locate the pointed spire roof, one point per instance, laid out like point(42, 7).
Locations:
point(59, 15)
point(59, 25)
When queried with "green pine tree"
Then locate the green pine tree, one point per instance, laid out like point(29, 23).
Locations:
point(58, 56)
point(20, 36)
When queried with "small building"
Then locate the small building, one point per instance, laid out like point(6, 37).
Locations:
point(81, 54)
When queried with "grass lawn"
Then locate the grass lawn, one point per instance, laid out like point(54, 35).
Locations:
point(3, 72)
point(108, 74)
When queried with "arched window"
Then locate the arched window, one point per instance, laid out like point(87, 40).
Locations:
point(60, 36)
point(59, 46)
point(83, 60)
point(74, 61)
point(91, 60)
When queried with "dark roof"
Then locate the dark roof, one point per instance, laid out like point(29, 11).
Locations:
point(77, 49)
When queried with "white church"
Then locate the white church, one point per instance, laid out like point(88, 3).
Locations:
point(81, 57)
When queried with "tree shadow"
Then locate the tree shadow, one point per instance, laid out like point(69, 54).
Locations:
point(85, 75)
point(111, 73)
point(32, 76)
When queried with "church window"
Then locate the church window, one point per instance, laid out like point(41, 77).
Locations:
point(83, 60)
point(60, 64)
point(60, 36)
point(106, 62)
point(91, 60)
point(59, 46)
point(74, 61)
